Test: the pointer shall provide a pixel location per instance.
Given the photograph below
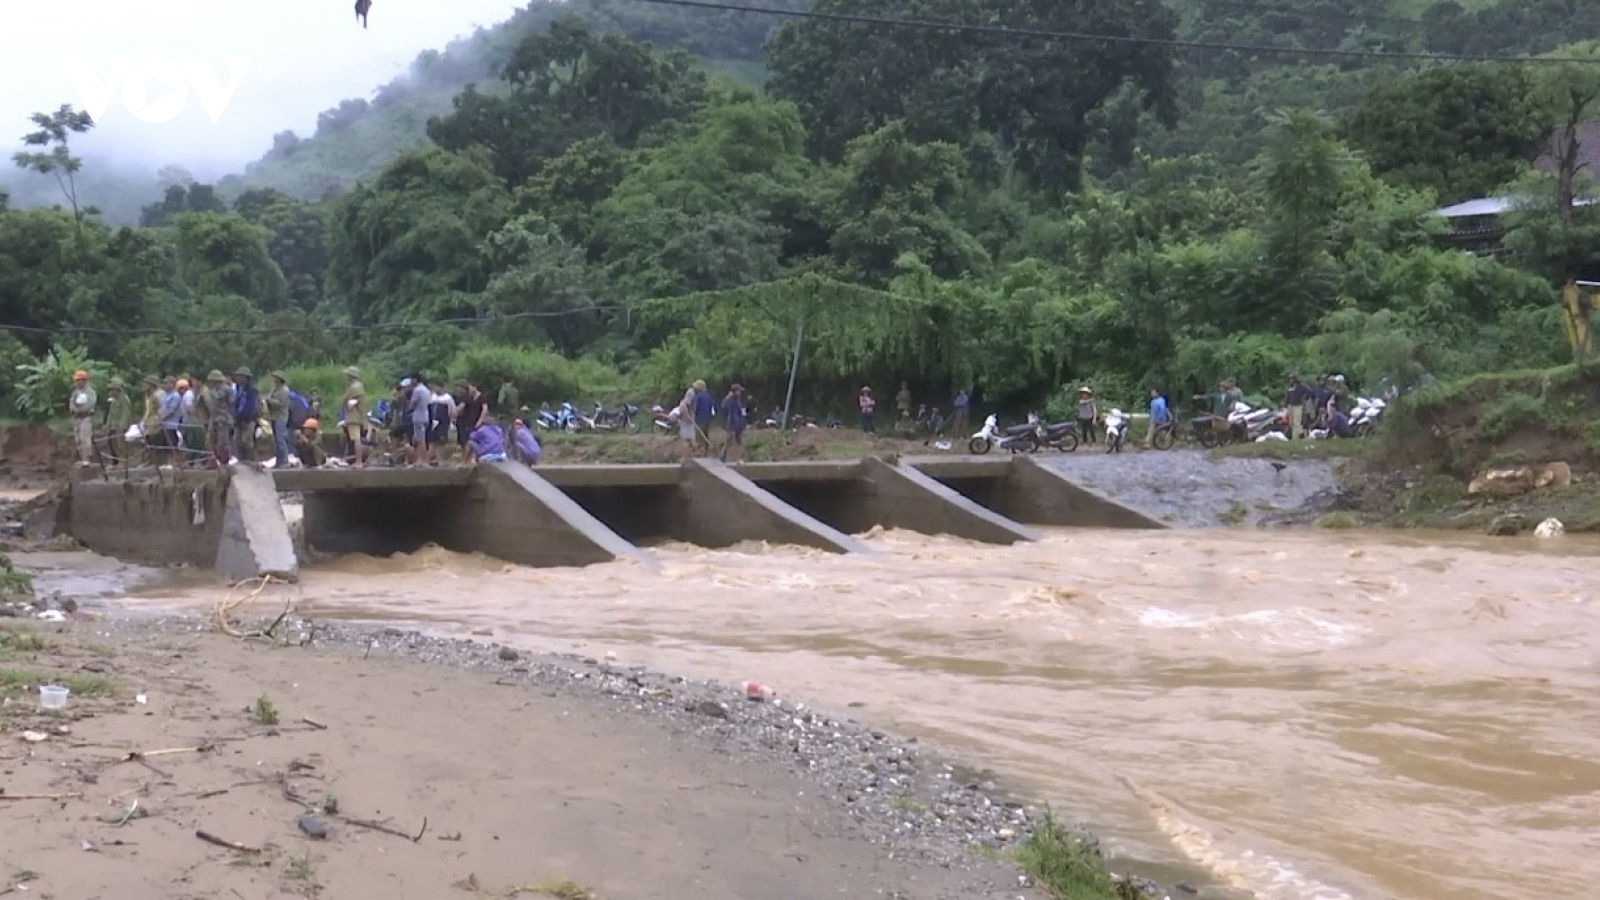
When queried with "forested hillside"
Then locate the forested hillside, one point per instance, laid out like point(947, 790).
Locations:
point(611, 197)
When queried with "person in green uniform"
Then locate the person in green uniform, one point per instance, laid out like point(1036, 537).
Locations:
point(278, 415)
point(150, 422)
point(355, 416)
point(219, 418)
point(119, 418)
point(507, 402)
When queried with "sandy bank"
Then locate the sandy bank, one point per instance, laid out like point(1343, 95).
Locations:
point(522, 778)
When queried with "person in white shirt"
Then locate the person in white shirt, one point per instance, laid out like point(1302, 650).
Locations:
point(442, 410)
point(419, 409)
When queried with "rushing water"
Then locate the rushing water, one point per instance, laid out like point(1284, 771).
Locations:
point(1306, 715)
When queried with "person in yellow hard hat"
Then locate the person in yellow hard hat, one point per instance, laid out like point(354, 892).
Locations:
point(190, 430)
point(81, 404)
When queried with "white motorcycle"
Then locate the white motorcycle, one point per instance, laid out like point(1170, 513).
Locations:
point(1116, 430)
point(1255, 423)
point(1018, 438)
point(1364, 418)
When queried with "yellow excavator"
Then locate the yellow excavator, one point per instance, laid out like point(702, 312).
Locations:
point(1578, 302)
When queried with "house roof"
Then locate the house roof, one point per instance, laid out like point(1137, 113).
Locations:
point(1492, 206)
point(1588, 149)
point(1484, 206)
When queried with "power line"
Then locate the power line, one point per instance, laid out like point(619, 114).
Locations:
point(309, 329)
point(1178, 43)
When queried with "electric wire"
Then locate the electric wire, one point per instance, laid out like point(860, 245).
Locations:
point(1079, 36)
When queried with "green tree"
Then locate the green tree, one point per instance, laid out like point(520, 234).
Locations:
point(893, 196)
point(709, 211)
point(1035, 95)
point(1461, 131)
point(56, 158)
point(545, 280)
point(221, 254)
point(298, 241)
point(568, 84)
point(413, 244)
point(1302, 176)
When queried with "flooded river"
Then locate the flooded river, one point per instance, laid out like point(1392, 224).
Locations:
point(1305, 715)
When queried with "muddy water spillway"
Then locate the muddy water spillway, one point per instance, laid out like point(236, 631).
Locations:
point(1306, 715)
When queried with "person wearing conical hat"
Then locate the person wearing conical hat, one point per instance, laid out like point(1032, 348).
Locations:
point(355, 416)
point(278, 415)
point(81, 403)
point(1088, 413)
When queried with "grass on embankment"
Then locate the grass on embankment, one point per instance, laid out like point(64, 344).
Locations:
point(1415, 472)
point(19, 676)
point(1069, 866)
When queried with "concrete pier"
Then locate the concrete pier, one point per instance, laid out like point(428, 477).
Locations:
point(1024, 490)
point(701, 502)
point(856, 495)
point(227, 521)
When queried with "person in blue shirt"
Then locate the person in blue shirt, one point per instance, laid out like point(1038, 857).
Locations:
point(733, 418)
point(958, 418)
point(1160, 416)
point(705, 410)
point(171, 413)
point(246, 413)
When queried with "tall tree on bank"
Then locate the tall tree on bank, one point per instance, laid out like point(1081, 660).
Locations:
point(1462, 131)
point(1558, 226)
point(56, 159)
point(1034, 95)
point(569, 84)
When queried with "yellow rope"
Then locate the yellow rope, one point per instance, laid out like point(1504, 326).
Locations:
point(223, 611)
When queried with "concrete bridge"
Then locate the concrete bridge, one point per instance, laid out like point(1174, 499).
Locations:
point(570, 515)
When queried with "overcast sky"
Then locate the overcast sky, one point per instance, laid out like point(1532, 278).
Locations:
point(304, 56)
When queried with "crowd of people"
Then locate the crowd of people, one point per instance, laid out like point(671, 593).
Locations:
point(226, 419)
point(422, 422)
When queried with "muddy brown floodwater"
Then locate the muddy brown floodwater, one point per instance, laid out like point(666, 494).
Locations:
point(1306, 715)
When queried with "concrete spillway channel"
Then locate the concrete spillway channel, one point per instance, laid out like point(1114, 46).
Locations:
point(570, 515)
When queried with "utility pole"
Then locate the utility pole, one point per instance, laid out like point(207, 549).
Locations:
point(794, 372)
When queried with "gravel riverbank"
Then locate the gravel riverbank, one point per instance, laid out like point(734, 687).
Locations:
point(1187, 489)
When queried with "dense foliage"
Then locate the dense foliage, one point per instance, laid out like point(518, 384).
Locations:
point(561, 200)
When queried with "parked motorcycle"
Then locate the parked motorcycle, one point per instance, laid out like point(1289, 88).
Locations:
point(623, 418)
point(1116, 430)
point(1250, 424)
point(569, 419)
point(1364, 417)
point(1165, 436)
point(1062, 436)
point(665, 421)
point(1023, 438)
point(546, 419)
